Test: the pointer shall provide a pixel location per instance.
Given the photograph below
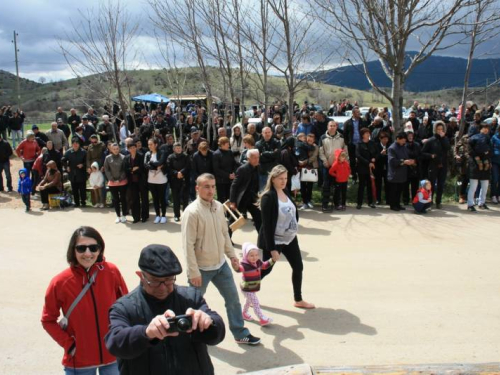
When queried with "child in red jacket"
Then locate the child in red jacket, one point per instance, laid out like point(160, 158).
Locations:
point(340, 171)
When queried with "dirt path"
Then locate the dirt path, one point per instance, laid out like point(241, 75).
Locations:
point(390, 288)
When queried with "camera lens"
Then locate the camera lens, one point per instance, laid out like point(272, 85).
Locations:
point(183, 325)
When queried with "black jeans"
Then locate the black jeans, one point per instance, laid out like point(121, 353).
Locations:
point(79, 192)
point(180, 195)
point(381, 177)
point(364, 182)
point(306, 190)
point(340, 195)
point(351, 149)
point(328, 184)
point(158, 192)
point(465, 182)
point(247, 206)
point(46, 192)
point(138, 200)
point(119, 195)
point(26, 200)
point(437, 177)
point(294, 258)
point(410, 189)
point(395, 188)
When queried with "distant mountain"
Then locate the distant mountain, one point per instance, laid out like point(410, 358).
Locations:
point(8, 83)
point(435, 73)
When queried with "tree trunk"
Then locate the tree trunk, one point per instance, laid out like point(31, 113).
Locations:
point(397, 96)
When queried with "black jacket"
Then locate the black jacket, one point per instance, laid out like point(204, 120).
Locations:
point(139, 175)
point(269, 207)
point(185, 354)
point(161, 161)
point(71, 159)
point(246, 181)
point(178, 163)
point(397, 172)
point(439, 146)
point(202, 164)
point(349, 129)
point(5, 151)
point(381, 159)
point(365, 152)
point(74, 121)
point(224, 164)
point(269, 154)
point(414, 152)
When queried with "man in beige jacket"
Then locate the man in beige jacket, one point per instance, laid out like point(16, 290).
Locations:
point(206, 243)
point(330, 141)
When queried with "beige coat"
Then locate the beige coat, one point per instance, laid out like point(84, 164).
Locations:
point(328, 145)
point(205, 236)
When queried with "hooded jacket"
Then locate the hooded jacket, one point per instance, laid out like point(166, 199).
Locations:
point(423, 195)
point(96, 177)
point(236, 143)
point(328, 145)
point(438, 146)
point(340, 170)
point(251, 272)
point(88, 323)
point(25, 184)
point(52, 177)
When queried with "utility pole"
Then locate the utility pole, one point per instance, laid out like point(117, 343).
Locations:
point(486, 92)
point(17, 71)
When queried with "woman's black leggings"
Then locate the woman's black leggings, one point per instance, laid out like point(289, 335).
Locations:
point(294, 258)
point(119, 194)
point(158, 193)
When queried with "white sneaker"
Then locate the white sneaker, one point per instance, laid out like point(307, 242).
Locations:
point(157, 220)
point(101, 205)
point(117, 220)
point(304, 207)
point(163, 220)
point(494, 200)
point(310, 205)
point(123, 219)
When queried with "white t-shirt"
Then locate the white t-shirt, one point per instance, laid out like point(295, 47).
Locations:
point(286, 227)
point(156, 176)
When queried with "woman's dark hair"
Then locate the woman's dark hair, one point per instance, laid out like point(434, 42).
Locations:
point(363, 131)
point(383, 135)
point(83, 232)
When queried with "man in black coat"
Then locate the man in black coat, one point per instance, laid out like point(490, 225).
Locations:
point(245, 188)
point(353, 137)
point(5, 154)
point(75, 160)
point(269, 149)
point(140, 333)
point(178, 166)
point(137, 190)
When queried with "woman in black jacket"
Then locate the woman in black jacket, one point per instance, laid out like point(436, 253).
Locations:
point(289, 160)
point(278, 232)
point(202, 161)
point(154, 161)
point(178, 165)
point(414, 172)
point(224, 169)
point(366, 153)
point(435, 151)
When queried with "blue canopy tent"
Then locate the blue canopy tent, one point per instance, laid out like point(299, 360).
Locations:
point(151, 98)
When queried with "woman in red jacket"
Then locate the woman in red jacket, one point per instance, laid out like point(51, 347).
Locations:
point(87, 324)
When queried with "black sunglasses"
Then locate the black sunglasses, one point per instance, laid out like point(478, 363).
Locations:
point(83, 248)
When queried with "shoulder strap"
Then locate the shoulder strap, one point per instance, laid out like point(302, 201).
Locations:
point(82, 293)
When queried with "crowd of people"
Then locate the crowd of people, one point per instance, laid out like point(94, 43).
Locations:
point(161, 150)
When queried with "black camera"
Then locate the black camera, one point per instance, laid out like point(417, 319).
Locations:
point(181, 323)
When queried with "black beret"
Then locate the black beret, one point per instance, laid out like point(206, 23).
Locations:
point(159, 261)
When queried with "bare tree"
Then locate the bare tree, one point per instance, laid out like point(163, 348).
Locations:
point(102, 48)
point(480, 26)
point(185, 29)
point(295, 43)
point(384, 28)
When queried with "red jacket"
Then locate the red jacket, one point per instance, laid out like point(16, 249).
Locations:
point(340, 170)
point(89, 322)
point(28, 150)
point(426, 194)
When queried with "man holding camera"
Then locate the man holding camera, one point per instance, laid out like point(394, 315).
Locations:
point(147, 333)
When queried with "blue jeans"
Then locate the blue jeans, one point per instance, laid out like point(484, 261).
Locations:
point(111, 369)
point(262, 181)
point(5, 167)
point(472, 189)
point(495, 180)
point(17, 136)
point(224, 282)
